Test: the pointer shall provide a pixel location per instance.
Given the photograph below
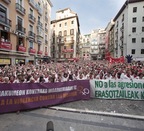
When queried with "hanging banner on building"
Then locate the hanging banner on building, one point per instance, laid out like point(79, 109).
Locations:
point(16, 97)
point(117, 89)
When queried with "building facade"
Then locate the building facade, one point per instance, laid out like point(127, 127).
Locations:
point(98, 44)
point(65, 33)
point(129, 30)
point(24, 30)
point(85, 46)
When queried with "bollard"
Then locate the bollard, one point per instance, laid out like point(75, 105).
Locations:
point(50, 126)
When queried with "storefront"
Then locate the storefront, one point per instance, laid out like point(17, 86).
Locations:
point(20, 61)
point(5, 61)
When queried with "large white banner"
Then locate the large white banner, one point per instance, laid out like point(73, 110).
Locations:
point(117, 89)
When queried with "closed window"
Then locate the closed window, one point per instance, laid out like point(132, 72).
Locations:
point(31, 44)
point(59, 25)
point(143, 19)
point(134, 20)
point(134, 9)
point(65, 33)
point(133, 40)
point(142, 40)
point(133, 51)
point(60, 33)
point(72, 32)
point(134, 29)
point(65, 23)
point(72, 22)
point(142, 29)
point(142, 51)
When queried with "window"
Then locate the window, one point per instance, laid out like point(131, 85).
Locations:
point(134, 20)
point(65, 33)
point(20, 2)
point(134, 9)
point(65, 23)
point(53, 25)
point(39, 18)
point(133, 40)
point(45, 49)
point(142, 51)
point(133, 51)
point(143, 19)
point(3, 14)
point(72, 22)
point(71, 46)
point(60, 33)
point(134, 29)
point(31, 44)
point(31, 11)
point(72, 32)
point(59, 25)
point(19, 23)
point(39, 47)
point(64, 47)
point(142, 40)
point(123, 17)
point(30, 28)
point(142, 29)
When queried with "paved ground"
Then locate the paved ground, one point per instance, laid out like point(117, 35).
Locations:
point(36, 120)
point(115, 106)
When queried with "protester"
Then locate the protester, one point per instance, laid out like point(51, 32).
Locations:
point(61, 72)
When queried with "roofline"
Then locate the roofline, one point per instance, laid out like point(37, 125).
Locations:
point(50, 3)
point(55, 21)
point(124, 6)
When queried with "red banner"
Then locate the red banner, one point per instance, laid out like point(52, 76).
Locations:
point(32, 51)
point(6, 45)
point(22, 49)
point(113, 60)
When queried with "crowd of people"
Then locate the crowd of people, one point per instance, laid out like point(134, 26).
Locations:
point(69, 71)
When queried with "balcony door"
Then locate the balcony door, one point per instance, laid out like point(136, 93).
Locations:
point(20, 2)
point(19, 23)
point(3, 14)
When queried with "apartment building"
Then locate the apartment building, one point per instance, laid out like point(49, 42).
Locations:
point(98, 44)
point(24, 30)
point(85, 46)
point(109, 38)
point(129, 30)
point(65, 33)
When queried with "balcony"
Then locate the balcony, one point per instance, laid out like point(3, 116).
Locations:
point(69, 41)
point(40, 33)
point(32, 51)
point(31, 34)
point(32, 3)
point(39, 52)
point(5, 21)
point(32, 18)
point(39, 24)
point(5, 46)
point(21, 29)
point(20, 9)
point(39, 9)
point(7, 1)
point(39, 40)
point(21, 49)
point(68, 50)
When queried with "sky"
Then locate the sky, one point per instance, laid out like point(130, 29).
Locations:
point(93, 14)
